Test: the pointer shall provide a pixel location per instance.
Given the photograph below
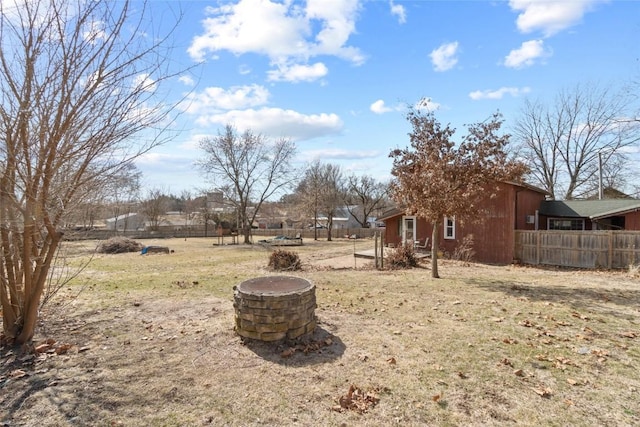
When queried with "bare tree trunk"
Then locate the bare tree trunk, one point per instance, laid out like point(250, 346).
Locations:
point(434, 252)
point(247, 234)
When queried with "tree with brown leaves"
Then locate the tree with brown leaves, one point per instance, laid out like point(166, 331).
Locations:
point(437, 178)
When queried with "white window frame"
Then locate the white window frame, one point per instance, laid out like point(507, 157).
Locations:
point(450, 230)
point(404, 230)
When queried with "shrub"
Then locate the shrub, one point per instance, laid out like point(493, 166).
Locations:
point(281, 260)
point(464, 251)
point(119, 245)
point(403, 256)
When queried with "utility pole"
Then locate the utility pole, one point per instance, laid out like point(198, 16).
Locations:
point(599, 175)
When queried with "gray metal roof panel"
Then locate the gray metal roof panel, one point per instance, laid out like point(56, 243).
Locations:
point(587, 208)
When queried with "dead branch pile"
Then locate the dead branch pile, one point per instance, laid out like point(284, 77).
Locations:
point(281, 260)
point(119, 245)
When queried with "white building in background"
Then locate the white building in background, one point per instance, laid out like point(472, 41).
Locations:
point(125, 222)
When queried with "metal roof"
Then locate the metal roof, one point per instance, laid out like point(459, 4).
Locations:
point(592, 209)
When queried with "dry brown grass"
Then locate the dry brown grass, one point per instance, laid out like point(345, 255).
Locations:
point(153, 344)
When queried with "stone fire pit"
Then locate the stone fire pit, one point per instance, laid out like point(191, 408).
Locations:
point(273, 308)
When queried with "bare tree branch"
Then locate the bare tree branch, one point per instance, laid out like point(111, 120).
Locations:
point(364, 196)
point(561, 142)
point(79, 96)
point(249, 169)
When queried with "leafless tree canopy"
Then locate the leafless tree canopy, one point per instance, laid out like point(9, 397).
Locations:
point(249, 169)
point(320, 193)
point(79, 96)
point(435, 177)
point(153, 207)
point(307, 195)
point(364, 197)
point(561, 142)
point(331, 193)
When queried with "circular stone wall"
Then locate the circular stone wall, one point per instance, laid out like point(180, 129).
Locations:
point(272, 308)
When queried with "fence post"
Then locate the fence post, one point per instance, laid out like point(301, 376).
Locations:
point(610, 254)
point(381, 250)
point(538, 247)
point(375, 249)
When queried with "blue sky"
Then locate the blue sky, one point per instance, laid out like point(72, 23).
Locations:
point(335, 76)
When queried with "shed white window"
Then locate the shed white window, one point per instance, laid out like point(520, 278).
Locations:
point(449, 227)
point(565, 224)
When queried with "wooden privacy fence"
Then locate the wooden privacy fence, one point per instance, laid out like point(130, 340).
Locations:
point(582, 249)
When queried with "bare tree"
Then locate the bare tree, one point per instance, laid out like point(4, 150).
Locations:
point(613, 177)
point(249, 169)
point(437, 178)
point(154, 206)
point(79, 83)
point(308, 192)
point(561, 143)
point(331, 193)
point(120, 188)
point(320, 194)
point(364, 196)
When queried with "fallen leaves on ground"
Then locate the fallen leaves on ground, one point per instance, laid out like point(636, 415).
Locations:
point(307, 347)
point(579, 316)
point(506, 362)
point(542, 391)
point(18, 373)
point(51, 346)
point(357, 400)
point(527, 323)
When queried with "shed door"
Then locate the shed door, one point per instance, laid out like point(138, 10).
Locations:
point(408, 229)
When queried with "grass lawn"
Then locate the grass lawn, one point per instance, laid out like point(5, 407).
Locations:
point(149, 340)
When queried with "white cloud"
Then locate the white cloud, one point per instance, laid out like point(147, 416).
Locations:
point(399, 11)
point(338, 22)
point(338, 154)
point(187, 80)
point(298, 73)
point(193, 143)
point(94, 32)
point(427, 104)
point(526, 54)
point(144, 83)
point(276, 122)
point(151, 158)
point(498, 94)
point(379, 107)
point(444, 57)
point(550, 17)
point(286, 32)
point(244, 69)
point(216, 99)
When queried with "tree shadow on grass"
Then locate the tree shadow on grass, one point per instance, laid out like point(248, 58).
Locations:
point(320, 347)
point(614, 301)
